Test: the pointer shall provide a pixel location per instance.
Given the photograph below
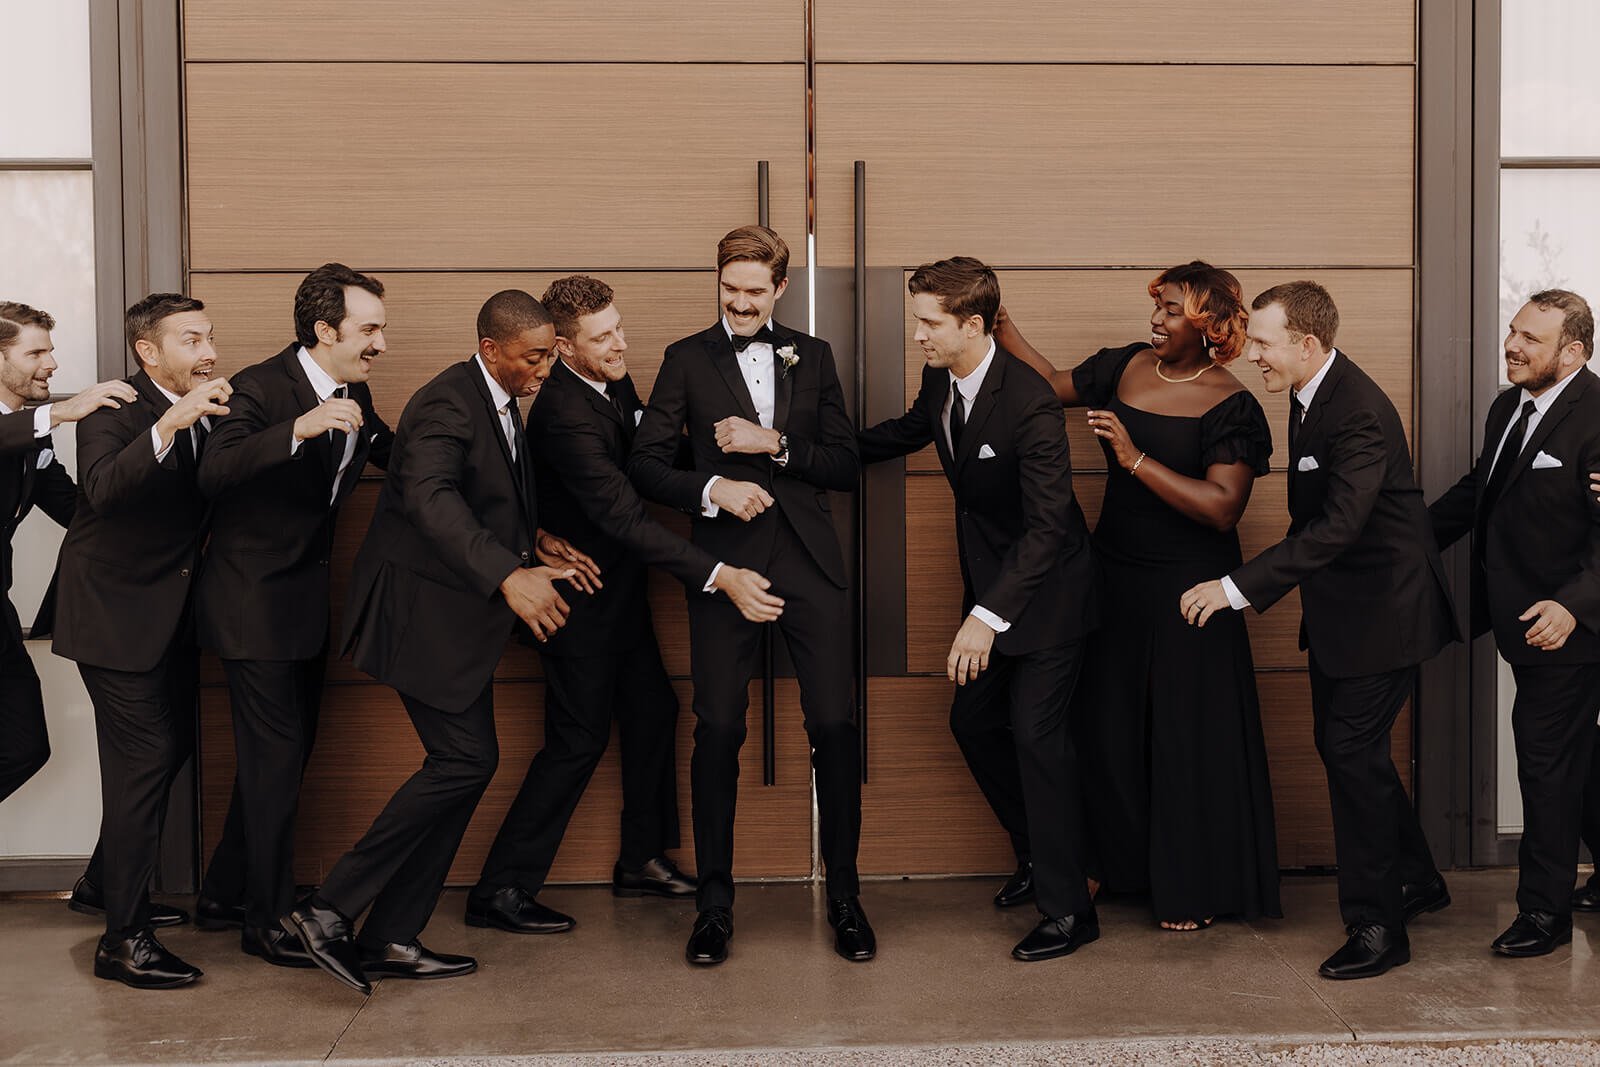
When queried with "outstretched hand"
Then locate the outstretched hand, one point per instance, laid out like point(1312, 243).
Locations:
point(1203, 601)
point(558, 553)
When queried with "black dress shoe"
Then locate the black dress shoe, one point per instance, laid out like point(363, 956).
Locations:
point(87, 899)
point(325, 935)
point(413, 961)
point(214, 915)
point(514, 909)
point(1586, 897)
point(708, 941)
point(277, 947)
point(143, 963)
point(1369, 951)
point(852, 934)
point(1018, 888)
point(1058, 937)
point(1534, 933)
point(1420, 899)
point(659, 877)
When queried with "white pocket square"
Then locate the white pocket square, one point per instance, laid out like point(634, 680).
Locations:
point(1545, 461)
point(1307, 463)
point(985, 452)
point(638, 416)
point(47, 457)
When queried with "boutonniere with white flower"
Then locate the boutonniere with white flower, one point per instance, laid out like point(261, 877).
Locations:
point(787, 359)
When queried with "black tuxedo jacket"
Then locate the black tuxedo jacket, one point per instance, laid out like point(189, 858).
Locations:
point(1542, 536)
point(580, 444)
point(456, 516)
point(698, 386)
point(1373, 594)
point(23, 484)
point(134, 545)
point(263, 590)
point(1023, 543)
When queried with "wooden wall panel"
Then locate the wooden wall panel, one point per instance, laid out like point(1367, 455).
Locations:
point(1113, 165)
point(916, 768)
point(561, 31)
point(485, 166)
point(1132, 31)
point(1070, 314)
point(367, 748)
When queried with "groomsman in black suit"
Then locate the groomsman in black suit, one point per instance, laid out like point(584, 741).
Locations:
point(1536, 583)
point(447, 568)
point(1027, 578)
point(604, 664)
point(769, 435)
point(31, 475)
point(277, 468)
point(1374, 603)
point(123, 611)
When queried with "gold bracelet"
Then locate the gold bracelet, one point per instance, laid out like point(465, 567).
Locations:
point(1135, 468)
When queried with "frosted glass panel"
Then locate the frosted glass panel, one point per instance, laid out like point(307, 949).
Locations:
point(1549, 97)
point(47, 234)
point(46, 78)
point(1549, 237)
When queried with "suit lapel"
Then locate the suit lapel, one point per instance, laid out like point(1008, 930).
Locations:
point(1547, 423)
point(727, 364)
point(936, 399)
point(1313, 415)
point(782, 380)
point(306, 397)
point(982, 406)
point(492, 415)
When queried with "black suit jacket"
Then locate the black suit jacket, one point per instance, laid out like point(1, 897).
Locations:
point(580, 444)
point(263, 590)
point(23, 484)
point(134, 545)
point(1023, 543)
point(1542, 537)
point(1373, 594)
point(698, 386)
point(456, 516)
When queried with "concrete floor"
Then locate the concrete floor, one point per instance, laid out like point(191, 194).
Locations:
point(943, 980)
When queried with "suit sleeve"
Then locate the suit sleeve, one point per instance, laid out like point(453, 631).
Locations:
point(1045, 464)
point(831, 461)
point(16, 433)
point(380, 438)
point(243, 443)
point(1455, 512)
point(655, 445)
point(1581, 593)
point(1355, 478)
point(115, 463)
point(55, 494)
point(901, 436)
point(437, 455)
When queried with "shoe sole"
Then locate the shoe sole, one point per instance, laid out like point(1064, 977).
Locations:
point(1069, 950)
point(704, 961)
point(412, 977)
point(1365, 974)
point(1519, 955)
point(290, 926)
point(100, 913)
point(173, 983)
point(483, 923)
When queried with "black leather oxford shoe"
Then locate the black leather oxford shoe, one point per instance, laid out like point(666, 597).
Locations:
point(143, 963)
point(325, 935)
point(88, 899)
point(1586, 897)
point(1422, 898)
point(214, 915)
point(1018, 888)
point(659, 877)
point(277, 947)
point(1369, 951)
point(1058, 937)
point(708, 941)
point(413, 961)
point(1534, 933)
point(513, 909)
point(852, 933)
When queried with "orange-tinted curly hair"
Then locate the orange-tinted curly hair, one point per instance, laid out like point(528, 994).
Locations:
point(1213, 301)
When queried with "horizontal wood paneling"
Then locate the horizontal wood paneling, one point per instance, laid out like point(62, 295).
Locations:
point(563, 31)
point(1108, 165)
point(1134, 31)
point(1068, 315)
point(483, 166)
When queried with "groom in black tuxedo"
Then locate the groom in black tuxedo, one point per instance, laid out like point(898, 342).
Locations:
point(1027, 577)
point(1374, 603)
point(769, 435)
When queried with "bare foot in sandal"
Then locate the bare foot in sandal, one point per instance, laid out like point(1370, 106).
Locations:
point(1186, 925)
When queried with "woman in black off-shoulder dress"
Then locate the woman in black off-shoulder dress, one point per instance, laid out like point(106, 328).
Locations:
point(1176, 787)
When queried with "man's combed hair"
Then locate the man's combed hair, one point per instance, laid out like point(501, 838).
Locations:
point(569, 299)
point(757, 244)
point(320, 298)
point(508, 314)
point(1213, 302)
point(142, 321)
point(1578, 321)
point(14, 316)
point(1307, 308)
point(964, 286)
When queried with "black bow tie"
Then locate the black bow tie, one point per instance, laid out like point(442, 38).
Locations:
point(764, 335)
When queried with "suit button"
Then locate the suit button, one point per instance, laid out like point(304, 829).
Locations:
point(184, 573)
point(322, 563)
point(524, 557)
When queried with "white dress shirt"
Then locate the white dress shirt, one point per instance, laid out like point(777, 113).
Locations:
point(155, 432)
point(758, 365)
point(502, 407)
point(323, 385)
point(969, 387)
point(41, 428)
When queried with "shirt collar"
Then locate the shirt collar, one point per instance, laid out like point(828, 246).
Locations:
point(322, 382)
point(168, 393)
point(5, 410)
point(599, 387)
point(1542, 403)
point(970, 385)
point(1305, 393)
point(497, 393)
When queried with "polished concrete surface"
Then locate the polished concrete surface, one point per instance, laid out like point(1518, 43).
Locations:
point(943, 979)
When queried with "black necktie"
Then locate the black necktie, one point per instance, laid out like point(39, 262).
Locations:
point(764, 335)
point(337, 438)
point(1297, 414)
point(958, 417)
point(519, 443)
point(1506, 461)
point(622, 412)
point(201, 432)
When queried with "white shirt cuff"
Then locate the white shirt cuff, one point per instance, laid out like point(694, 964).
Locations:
point(155, 443)
point(294, 442)
point(711, 582)
point(990, 619)
point(1236, 599)
point(41, 420)
point(707, 508)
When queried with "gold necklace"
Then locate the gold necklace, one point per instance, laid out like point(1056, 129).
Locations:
point(1180, 381)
